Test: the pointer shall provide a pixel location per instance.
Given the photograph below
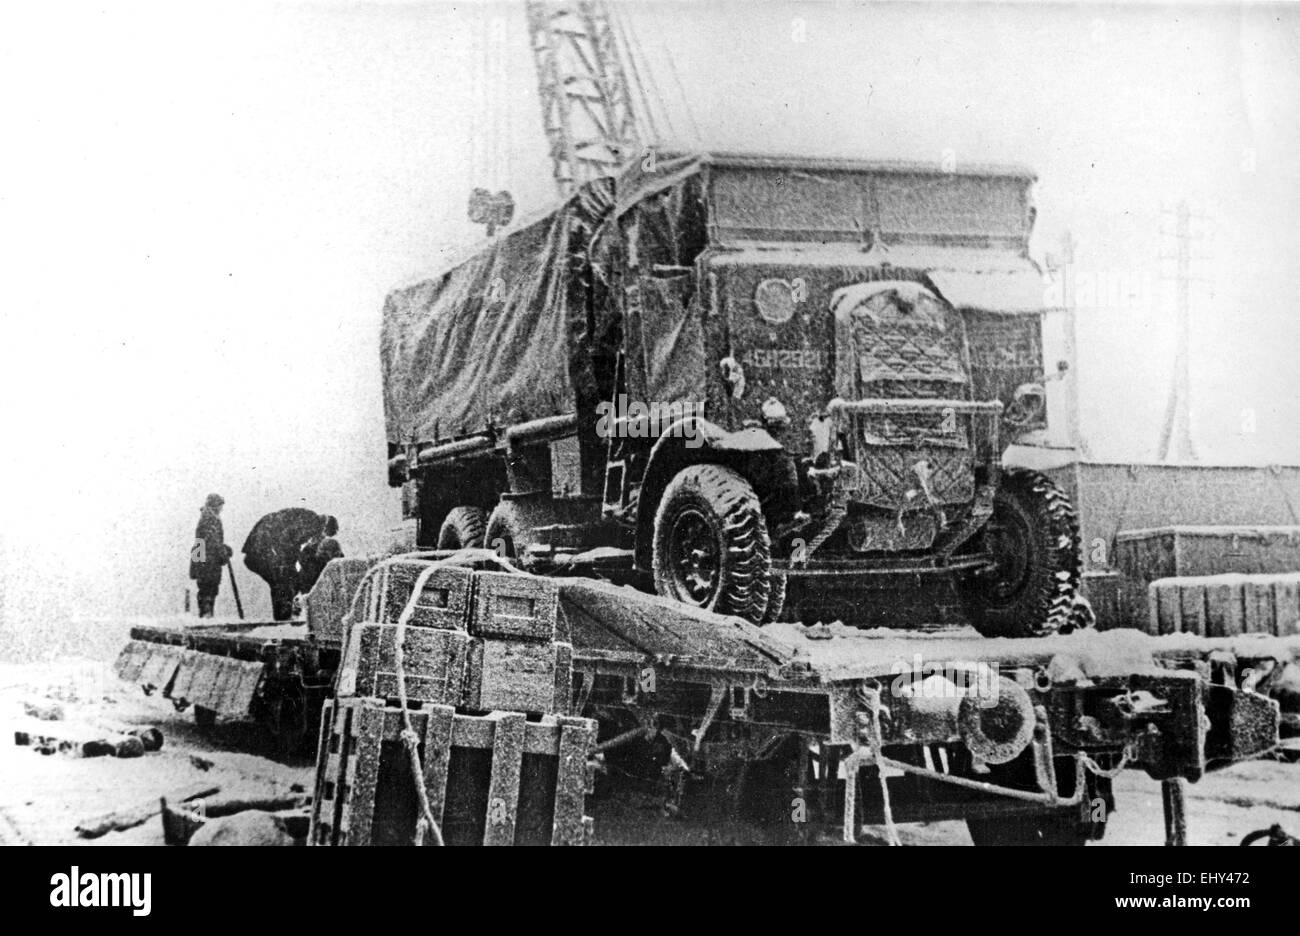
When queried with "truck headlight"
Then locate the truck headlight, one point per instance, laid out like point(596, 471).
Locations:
point(775, 301)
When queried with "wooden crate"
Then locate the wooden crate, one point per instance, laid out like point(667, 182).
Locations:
point(483, 641)
point(1225, 605)
point(520, 658)
point(496, 779)
point(1143, 556)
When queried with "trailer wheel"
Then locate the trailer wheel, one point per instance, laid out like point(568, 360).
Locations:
point(289, 721)
point(711, 547)
point(1058, 828)
point(463, 528)
point(1034, 538)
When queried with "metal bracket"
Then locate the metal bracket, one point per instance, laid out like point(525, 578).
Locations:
point(717, 693)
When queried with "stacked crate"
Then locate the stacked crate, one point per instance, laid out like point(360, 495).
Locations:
point(1213, 581)
point(487, 670)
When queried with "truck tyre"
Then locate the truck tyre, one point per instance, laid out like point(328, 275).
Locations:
point(463, 528)
point(507, 532)
point(711, 547)
point(204, 717)
point(1034, 538)
point(775, 599)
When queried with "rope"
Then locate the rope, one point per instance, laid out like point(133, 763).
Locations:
point(427, 824)
point(1098, 770)
point(877, 748)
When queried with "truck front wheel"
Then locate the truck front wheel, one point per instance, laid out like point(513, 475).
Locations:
point(1033, 537)
point(711, 546)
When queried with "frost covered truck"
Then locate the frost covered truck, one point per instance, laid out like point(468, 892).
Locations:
point(737, 378)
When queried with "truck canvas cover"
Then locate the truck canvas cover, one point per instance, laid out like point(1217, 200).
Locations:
point(486, 343)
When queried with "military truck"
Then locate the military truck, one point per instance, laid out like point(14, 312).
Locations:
point(734, 377)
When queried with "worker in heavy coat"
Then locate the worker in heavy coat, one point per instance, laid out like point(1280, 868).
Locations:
point(209, 553)
point(316, 554)
point(272, 551)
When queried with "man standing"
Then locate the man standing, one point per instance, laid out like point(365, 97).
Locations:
point(209, 553)
point(272, 551)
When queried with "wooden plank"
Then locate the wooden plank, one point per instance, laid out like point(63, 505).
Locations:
point(133, 816)
point(571, 782)
point(250, 679)
point(1192, 603)
point(345, 772)
point(475, 731)
point(1162, 614)
point(562, 704)
point(503, 788)
point(366, 638)
point(369, 718)
point(131, 660)
point(181, 685)
point(161, 666)
point(473, 694)
point(228, 675)
point(204, 679)
point(1223, 609)
point(1260, 615)
point(437, 755)
point(1286, 601)
point(322, 768)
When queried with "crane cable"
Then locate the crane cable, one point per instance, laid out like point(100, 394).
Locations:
point(681, 90)
point(634, 50)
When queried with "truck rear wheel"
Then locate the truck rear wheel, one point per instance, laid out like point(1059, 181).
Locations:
point(463, 528)
point(711, 547)
point(508, 533)
point(1034, 538)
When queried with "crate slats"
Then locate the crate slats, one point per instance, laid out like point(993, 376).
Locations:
point(503, 788)
point(1225, 606)
point(369, 737)
point(571, 784)
point(361, 759)
point(437, 738)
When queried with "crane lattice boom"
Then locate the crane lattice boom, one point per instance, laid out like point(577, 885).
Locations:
point(586, 101)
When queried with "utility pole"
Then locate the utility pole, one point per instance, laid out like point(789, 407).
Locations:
point(1176, 432)
point(1074, 432)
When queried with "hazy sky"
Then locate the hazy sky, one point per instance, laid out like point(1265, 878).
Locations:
point(204, 206)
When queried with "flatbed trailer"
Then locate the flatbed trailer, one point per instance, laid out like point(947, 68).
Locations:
point(802, 729)
point(810, 729)
point(277, 674)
